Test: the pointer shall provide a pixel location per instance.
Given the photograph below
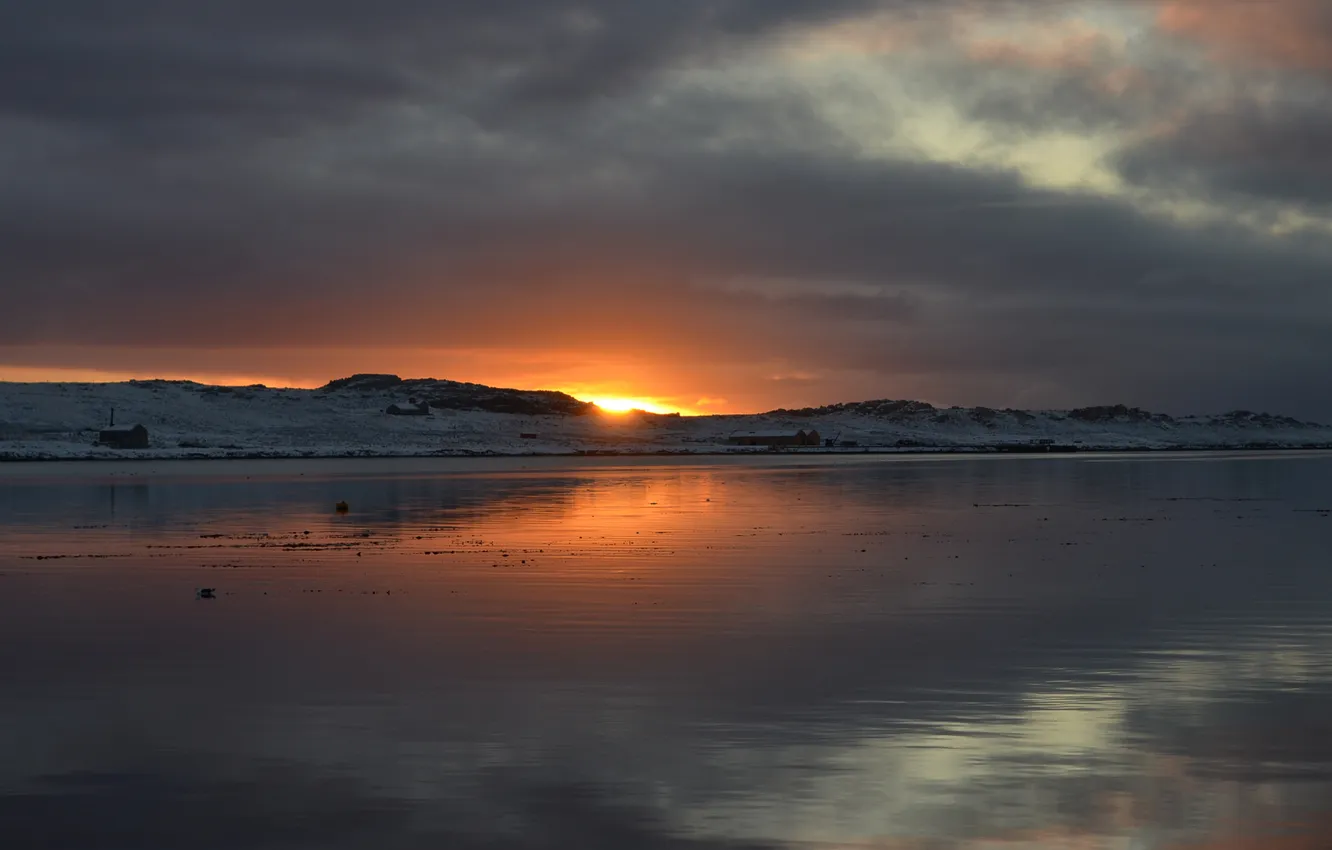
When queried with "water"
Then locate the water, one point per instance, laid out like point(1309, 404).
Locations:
point(1126, 652)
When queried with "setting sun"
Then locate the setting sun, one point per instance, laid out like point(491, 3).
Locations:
point(612, 404)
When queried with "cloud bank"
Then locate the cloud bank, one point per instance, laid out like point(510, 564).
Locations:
point(777, 203)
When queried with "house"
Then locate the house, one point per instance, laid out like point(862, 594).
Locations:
point(775, 439)
point(411, 408)
point(124, 438)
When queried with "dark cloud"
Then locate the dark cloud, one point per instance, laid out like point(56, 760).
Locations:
point(1089, 94)
point(316, 174)
point(206, 64)
point(1288, 34)
point(1274, 150)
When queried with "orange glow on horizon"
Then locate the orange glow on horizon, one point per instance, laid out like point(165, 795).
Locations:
point(616, 404)
point(616, 397)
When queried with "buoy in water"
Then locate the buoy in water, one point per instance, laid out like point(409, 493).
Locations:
point(206, 593)
point(342, 507)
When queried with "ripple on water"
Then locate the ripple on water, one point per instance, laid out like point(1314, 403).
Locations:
point(871, 653)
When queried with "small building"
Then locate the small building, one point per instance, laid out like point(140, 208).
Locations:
point(775, 439)
point(124, 438)
point(411, 408)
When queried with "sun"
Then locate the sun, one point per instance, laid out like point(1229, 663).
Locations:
point(614, 404)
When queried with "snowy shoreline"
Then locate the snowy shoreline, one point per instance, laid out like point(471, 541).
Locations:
point(150, 456)
point(347, 419)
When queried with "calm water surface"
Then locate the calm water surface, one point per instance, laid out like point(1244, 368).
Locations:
point(1119, 652)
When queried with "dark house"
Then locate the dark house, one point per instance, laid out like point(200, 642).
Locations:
point(124, 438)
point(774, 439)
point(411, 408)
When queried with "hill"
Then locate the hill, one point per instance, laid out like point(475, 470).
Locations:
point(347, 418)
point(452, 395)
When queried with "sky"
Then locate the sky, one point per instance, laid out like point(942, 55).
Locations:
point(713, 205)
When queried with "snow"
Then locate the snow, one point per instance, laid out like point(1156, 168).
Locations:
point(188, 420)
point(766, 435)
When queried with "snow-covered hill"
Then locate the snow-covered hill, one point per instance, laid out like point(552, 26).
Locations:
point(347, 418)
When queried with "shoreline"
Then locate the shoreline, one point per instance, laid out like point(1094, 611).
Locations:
point(165, 421)
point(131, 456)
